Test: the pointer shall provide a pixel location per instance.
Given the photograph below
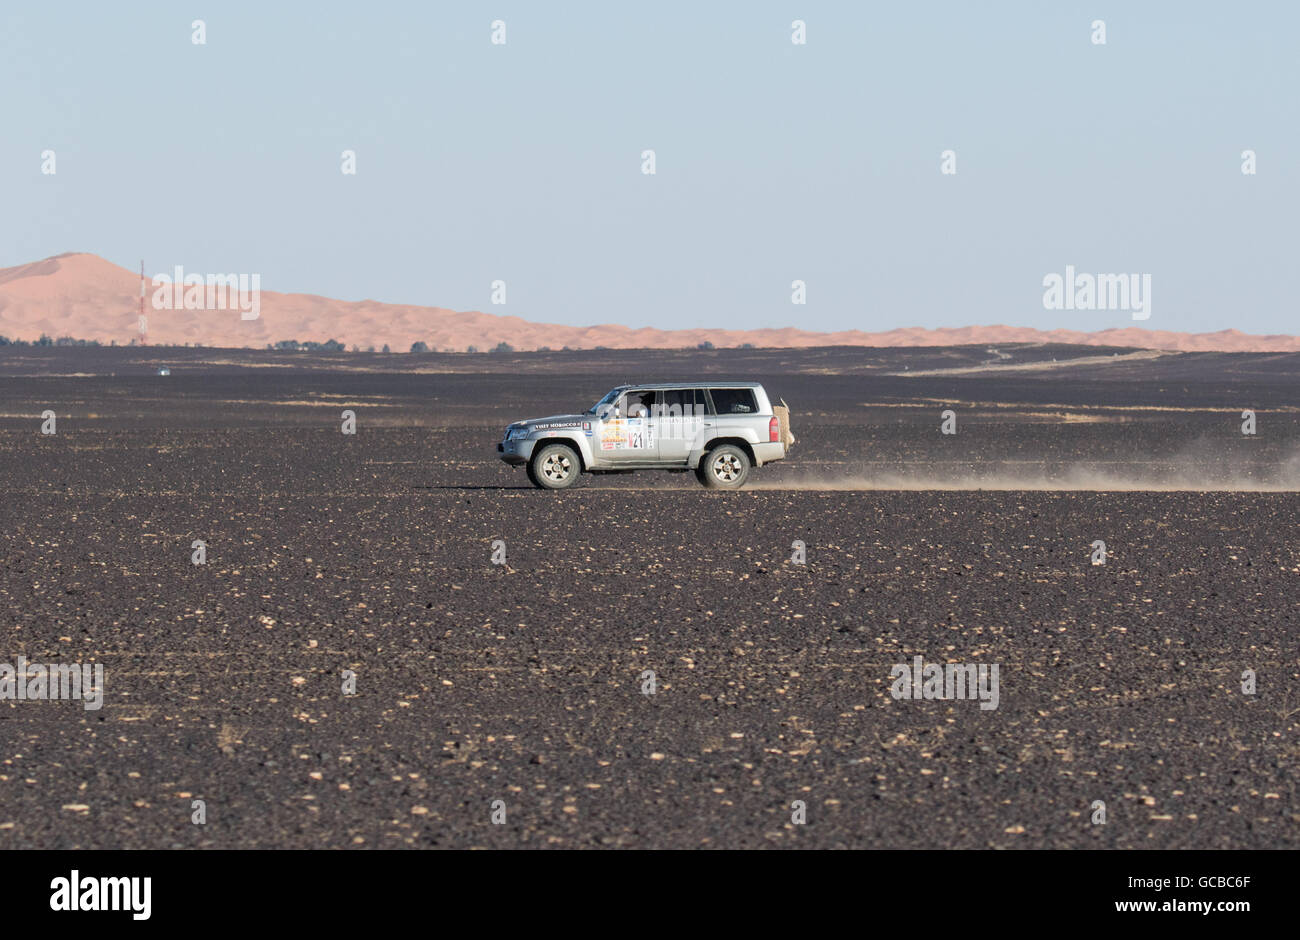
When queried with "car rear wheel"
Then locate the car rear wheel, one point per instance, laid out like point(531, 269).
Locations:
point(724, 468)
point(555, 467)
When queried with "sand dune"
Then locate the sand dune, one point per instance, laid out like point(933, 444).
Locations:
point(86, 297)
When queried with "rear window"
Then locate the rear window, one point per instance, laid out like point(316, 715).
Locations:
point(734, 401)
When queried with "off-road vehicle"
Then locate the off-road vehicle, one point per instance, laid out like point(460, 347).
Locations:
point(718, 429)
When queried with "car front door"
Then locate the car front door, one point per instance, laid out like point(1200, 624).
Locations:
point(627, 434)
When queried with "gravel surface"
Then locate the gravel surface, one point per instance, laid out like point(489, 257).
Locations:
point(525, 682)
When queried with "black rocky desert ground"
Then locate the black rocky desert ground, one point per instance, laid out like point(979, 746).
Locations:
point(524, 682)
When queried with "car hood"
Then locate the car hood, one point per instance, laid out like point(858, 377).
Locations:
point(554, 422)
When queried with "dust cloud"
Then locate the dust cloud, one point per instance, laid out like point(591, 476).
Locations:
point(1194, 471)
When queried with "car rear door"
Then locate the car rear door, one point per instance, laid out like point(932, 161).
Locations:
point(681, 420)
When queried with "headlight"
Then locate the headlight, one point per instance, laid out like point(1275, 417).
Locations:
point(515, 434)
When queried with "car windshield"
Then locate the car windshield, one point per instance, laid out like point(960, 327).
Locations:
point(609, 399)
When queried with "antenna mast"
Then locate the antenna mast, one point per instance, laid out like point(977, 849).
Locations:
point(144, 324)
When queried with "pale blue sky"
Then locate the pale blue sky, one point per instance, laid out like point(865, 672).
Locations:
point(775, 161)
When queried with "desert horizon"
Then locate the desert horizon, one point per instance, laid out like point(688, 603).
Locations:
point(82, 296)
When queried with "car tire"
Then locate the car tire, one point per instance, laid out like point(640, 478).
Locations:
point(726, 467)
point(555, 467)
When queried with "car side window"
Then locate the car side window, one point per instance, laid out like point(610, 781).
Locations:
point(637, 404)
point(702, 406)
point(734, 401)
point(681, 402)
point(670, 403)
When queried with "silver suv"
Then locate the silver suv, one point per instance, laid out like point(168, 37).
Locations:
point(718, 429)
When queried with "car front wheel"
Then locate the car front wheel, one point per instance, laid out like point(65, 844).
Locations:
point(555, 467)
point(724, 468)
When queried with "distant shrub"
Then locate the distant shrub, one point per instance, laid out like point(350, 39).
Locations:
point(472, 349)
point(503, 347)
point(704, 345)
point(419, 346)
point(47, 341)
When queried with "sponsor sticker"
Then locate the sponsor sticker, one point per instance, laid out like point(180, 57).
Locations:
point(613, 435)
point(640, 434)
